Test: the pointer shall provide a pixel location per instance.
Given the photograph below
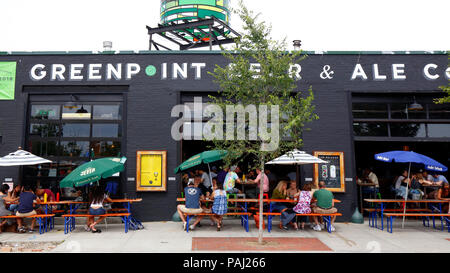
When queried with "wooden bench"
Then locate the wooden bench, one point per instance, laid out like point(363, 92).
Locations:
point(39, 217)
point(244, 218)
point(325, 216)
point(69, 220)
point(425, 217)
point(373, 220)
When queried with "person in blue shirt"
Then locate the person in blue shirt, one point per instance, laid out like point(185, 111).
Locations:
point(192, 205)
point(439, 179)
point(437, 182)
point(25, 208)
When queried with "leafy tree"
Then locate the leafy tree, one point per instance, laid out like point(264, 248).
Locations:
point(262, 73)
point(446, 89)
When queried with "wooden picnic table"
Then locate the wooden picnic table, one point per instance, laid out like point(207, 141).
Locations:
point(135, 224)
point(382, 202)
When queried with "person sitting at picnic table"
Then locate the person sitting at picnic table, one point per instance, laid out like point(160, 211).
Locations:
point(437, 182)
point(14, 197)
point(287, 214)
point(205, 182)
point(213, 172)
point(417, 181)
point(369, 182)
point(444, 194)
point(219, 207)
point(230, 181)
point(222, 174)
point(292, 190)
point(193, 196)
point(96, 198)
point(258, 179)
point(25, 208)
point(50, 197)
point(401, 183)
point(304, 203)
point(4, 198)
point(426, 176)
point(323, 203)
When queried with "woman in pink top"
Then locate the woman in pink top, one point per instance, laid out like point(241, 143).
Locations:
point(304, 203)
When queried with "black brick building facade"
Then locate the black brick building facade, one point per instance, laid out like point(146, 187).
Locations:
point(148, 88)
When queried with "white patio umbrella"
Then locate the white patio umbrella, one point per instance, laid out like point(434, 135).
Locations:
point(296, 157)
point(21, 158)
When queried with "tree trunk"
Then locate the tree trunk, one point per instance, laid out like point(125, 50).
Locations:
point(261, 204)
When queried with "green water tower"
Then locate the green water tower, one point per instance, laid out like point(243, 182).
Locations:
point(180, 11)
point(190, 24)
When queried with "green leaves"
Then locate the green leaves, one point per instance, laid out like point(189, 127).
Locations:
point(263, 72)
point(445, 89)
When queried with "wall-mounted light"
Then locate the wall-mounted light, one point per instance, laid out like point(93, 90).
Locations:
point(415, 106)
point(81, 110)
point(71, 104)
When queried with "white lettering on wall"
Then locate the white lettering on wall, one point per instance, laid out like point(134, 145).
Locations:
point(427, 72)
point(198, 69)
point(358, 72)
point(376, 74)
point(94, 72)
point(178, 71)
point(75, 72)
point(58, 72)
point(398, 72)
point(37, 72)
point(132, 69)
point(114, 71)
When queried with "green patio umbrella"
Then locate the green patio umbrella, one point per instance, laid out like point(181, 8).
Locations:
point(201, 158)
point(93, 171)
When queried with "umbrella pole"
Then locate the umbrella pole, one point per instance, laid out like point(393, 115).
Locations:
point(261, 205)
point(210, 180)
point(406, 195)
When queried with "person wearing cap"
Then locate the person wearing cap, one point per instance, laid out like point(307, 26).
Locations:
point(230, 181)
point(192, 205)
point(213, 172)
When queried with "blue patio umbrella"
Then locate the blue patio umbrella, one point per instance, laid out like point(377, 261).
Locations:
point(411, 157)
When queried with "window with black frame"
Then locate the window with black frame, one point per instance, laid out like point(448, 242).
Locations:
point(69, 135)
point(372, 119)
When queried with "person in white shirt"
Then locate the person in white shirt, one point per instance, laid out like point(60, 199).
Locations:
point(206, 183)
point(369, 182)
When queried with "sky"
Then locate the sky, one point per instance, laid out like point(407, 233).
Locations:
point(321, 25)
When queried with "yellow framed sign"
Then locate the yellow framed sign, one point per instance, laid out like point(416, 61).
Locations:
point(332, 173)
point(151, 171)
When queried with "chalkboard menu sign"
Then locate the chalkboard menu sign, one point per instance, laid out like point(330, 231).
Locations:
point(332, 173)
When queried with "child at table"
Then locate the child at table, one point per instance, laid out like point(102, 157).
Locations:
point(96, 199)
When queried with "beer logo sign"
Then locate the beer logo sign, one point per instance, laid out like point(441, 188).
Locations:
point(87, 171)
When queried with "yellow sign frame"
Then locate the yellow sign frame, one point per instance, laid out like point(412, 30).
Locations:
point(151, 171)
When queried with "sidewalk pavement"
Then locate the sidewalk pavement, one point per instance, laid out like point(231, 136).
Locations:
point(169, 237)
